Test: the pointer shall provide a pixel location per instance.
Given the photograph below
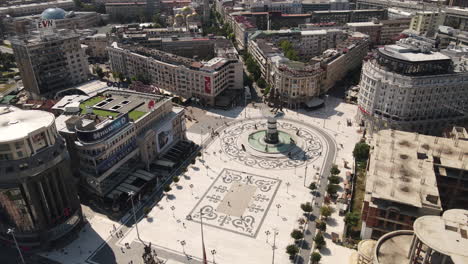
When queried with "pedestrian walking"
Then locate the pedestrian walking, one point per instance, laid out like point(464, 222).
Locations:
point(114, 227)
point(121, 248)
point(183, 224)
point(229, 204)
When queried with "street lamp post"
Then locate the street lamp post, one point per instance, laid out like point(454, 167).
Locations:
point(191, 188)
point(131, 194)
point(278, 206)
point(275, 233)
point(305, 174)
point(213, 252)
point(11, 231)
point(182, 243)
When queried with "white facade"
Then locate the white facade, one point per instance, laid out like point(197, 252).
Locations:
point(205, 82)
point(423, 103)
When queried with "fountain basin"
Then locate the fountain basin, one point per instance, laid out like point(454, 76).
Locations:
point(256, 141)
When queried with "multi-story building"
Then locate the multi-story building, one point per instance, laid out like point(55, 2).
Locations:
point(426, 22)
point(330, 54)
point(96, 46)
point(410, 5)
point(125, 11)
point(347, 16)
point(392, 29)
point(433, 240)
point(49, 62)
point(243, 28)
point(107, 131)
point(373, 29)
point(287, 7)
point(345, 57)
point(400, 183)
point(35, 8)
point(62, 19)
point(409, 87)
point(183, 76)
point(38, 197)
point(411, 175)
point(456, 18)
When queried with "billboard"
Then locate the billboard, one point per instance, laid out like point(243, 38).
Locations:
point(207, 84)
point(45, 25)
point(164, 137)
point(116, 157)
point(112, 128)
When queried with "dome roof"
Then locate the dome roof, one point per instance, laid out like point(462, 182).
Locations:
point(53, 13)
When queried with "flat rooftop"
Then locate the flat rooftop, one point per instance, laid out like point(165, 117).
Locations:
point(401, 168)
point(444, 236)
point(394, 248)
point(407, 53)
point(16, 124)
point(113, 103)
point(364, 24)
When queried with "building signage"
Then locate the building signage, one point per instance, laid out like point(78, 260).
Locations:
point(207, 84)
point(45, 24)
point(362, 110)
point(112, 160)
point(165, 137)
point(95, 135)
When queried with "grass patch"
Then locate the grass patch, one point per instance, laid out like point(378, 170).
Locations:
point(135, 114)
point(91, 102)
point(99, 112)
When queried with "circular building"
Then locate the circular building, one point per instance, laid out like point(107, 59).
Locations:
point(38, 199)
point(364, 252)
point(435, 240)
point(53, 13)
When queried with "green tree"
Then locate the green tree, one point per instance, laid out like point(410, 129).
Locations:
point(292, 55)
point(326, 211)
point(176, 179)
point(261, 83)
point(99, 72)
point(321, 225)
point(146, 210)
point(166, 190)
point(334, 179)
point(306, 207)
point(319, 240)
point(361, 151)
point(285, 45)
point(332, 189)
point(297, 234)
point(78, 4)
point(313, 186)
point(315, 257)
point(352, 219)
point(334, 170)
point(292, 250)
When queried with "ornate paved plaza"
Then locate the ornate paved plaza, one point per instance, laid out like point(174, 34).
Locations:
point(236, 202)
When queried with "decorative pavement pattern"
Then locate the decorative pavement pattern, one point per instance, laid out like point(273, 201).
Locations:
point(236, 202)
point(310, 151)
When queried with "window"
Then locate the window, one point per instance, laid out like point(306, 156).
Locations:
point(4, 147)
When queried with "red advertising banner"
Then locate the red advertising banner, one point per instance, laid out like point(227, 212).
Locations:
point(207, 84)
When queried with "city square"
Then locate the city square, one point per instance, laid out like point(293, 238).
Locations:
point(250, 201)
